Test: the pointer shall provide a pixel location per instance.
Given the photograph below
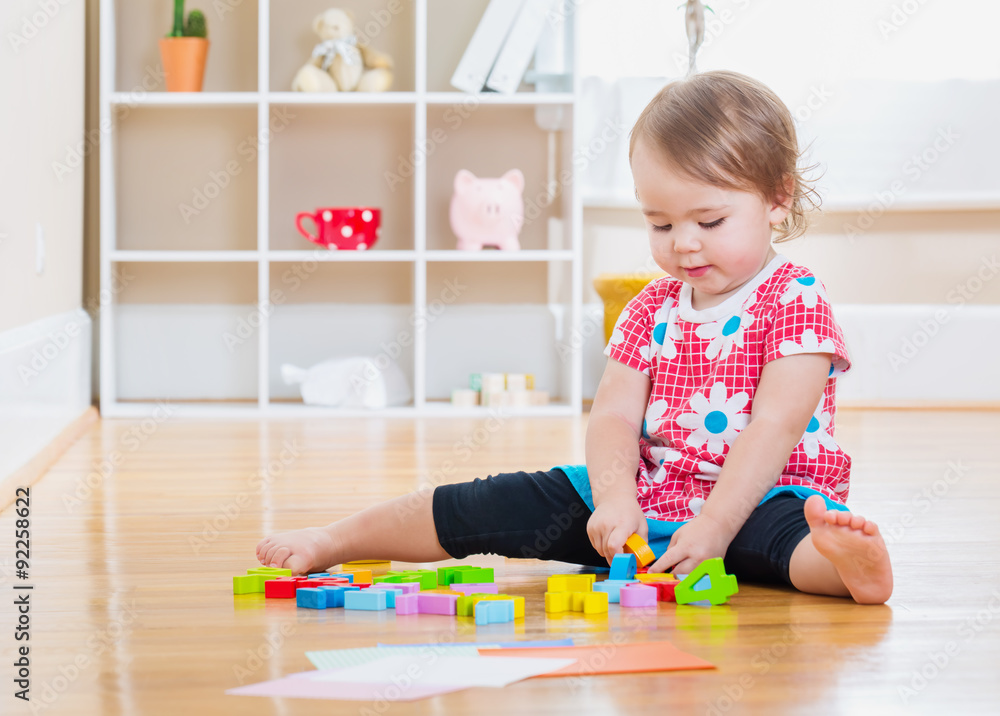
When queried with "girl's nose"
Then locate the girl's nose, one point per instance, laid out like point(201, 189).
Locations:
point(685, 242)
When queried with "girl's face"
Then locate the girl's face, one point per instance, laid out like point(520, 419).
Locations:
point(712, 238)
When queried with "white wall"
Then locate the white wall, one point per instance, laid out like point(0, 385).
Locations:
point(44, 334)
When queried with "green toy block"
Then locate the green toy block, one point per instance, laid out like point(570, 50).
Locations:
point(464, 574)
point(273, 571)
point(474, 575)
point(248, 584)
point(721, 585)
point(426, 577)
point(465, 607)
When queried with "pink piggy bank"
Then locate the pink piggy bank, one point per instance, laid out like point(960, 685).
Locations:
point(488, 212)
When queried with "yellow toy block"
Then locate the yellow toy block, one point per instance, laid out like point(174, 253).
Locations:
point(571, 582)
point(647, 578)
point(637, 546)
point(381, 565)
point(595, 602)
point(361, 576)
point(576, 600)
point(556, 602)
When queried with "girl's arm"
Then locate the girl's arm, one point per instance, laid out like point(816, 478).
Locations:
point(790, 389)
point(613, 433)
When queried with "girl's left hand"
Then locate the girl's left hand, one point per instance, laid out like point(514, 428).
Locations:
point(700, 539)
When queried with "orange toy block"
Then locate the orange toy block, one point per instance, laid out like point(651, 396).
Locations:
point(360, 575)
point(637, 546)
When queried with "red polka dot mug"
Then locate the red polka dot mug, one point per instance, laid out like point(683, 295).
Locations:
point(354, 227)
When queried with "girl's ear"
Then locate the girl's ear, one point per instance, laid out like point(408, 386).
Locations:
point(781, 204)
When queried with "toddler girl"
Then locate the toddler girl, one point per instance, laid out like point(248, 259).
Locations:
point(711, 433)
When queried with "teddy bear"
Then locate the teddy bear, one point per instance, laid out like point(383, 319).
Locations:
point(339, 63)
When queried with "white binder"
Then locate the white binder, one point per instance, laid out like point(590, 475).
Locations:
point(479, 56)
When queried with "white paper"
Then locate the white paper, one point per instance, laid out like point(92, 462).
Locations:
point(429, 669)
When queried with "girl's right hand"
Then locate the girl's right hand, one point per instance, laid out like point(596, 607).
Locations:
point(613, 522)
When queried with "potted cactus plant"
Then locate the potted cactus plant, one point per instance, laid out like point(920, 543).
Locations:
point(184, 51)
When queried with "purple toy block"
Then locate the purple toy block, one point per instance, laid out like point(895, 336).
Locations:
point(408, 587)
point(467, 589)
point(444, 604)
point(408, 604)
point(638, 595)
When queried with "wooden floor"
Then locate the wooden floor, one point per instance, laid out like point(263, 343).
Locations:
point(138, 529)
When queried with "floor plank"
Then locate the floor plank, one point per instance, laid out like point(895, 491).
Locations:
point(137, 530)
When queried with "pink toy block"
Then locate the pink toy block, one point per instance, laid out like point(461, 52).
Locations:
point(408, 604)
point(444, 604)
point(468, 589)
point(409, 587)
point(638, 595)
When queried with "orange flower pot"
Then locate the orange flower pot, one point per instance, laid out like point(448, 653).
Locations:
point(184, 62)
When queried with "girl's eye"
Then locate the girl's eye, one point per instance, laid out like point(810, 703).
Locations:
point(662, 228)
point(717, 222)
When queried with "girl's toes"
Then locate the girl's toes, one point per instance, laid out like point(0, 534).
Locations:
point(857, 522)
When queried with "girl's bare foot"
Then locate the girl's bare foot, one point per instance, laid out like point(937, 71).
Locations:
point(854, 547)
point(313, 549)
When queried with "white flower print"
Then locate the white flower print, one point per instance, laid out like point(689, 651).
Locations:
point(808, 343)
point(696, 504)
point(808, 287)
point(666, 331)
point(652, 422)
point(725, 333)
point(817, 433)
point(617, 335)
point(709, 470)
point(661, 456)
point(717, 419)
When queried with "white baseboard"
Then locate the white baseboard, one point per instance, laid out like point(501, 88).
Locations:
point(901, 353)
point(44, 384)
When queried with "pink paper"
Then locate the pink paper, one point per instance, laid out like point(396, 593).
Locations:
point(305, 686)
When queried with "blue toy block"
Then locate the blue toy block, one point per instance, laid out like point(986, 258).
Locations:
point(310, 598)
point(370, 600)
point(390, 594)
point(335, 594)
point(494, 611)
point(623, 566)
point(318, 575)
point(613, 587)
point(344, 575)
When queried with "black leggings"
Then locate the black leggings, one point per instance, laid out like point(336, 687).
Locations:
point(540, 515)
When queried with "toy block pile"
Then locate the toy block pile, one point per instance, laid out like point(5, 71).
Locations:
point(500, 390)
point(451, 591)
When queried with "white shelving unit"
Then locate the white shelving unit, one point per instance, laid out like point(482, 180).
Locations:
point(133, 116)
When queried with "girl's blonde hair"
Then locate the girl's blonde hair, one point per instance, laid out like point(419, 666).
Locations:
point(729, 130)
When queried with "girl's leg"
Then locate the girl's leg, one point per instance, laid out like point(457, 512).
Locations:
point(843, 555)
point(522, 515)
point(400, 529)
point(801, 543)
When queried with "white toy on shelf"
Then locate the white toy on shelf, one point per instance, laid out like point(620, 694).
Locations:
point(350, 383)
